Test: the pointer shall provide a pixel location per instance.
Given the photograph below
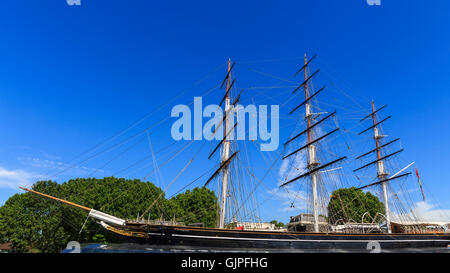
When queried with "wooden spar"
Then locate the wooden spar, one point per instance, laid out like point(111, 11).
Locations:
point(222, 121)
point(305, 65)
point(223, 165)
point(228, 91)
point(238, 97)
point(313, 171)
point(101, 216)
point(227, 112)
point(376, 149)
point(397, 173)
point(383, 181)
point(228, 73)
point(57, 199)
point(312, 142)
point(379, 158)
point(308, 99)
point(306, 81)
point(371, 114)
point(374, 121)
point(309, 128)
point(375, 125)
point(220, 143)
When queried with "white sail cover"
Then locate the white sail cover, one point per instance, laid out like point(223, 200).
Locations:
point(106, 217)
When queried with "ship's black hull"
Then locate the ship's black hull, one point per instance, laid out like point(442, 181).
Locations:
point(265, 240)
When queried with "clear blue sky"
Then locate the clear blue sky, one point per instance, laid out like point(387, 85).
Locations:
point(72, 76)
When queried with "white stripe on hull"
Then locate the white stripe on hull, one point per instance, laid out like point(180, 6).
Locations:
point(303, 240)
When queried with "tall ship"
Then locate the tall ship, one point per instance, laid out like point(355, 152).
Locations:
point(309, 159)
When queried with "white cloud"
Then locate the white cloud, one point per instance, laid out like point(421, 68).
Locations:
point(290, 168)
point(425, 211)
point(291, 200)
point(57, 166)
point(15, 178)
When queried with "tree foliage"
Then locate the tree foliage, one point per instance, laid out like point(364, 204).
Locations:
point(277, 224)
point(350, 204)
point(196, 206)
point(36, 224)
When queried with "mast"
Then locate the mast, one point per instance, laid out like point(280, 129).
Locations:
point(312, 160)
point(225, 153)
point(225, 143)
point(381, 173)
point(313, 163)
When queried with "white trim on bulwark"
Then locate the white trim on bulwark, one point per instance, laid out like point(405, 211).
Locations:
point(305, 240)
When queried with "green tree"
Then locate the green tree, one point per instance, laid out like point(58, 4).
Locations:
point(36, 224)
point(351, 204)
point(277, 224)
point(196, 206)
point(33, 225)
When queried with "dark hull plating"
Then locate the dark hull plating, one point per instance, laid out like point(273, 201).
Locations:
point(266, 240)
